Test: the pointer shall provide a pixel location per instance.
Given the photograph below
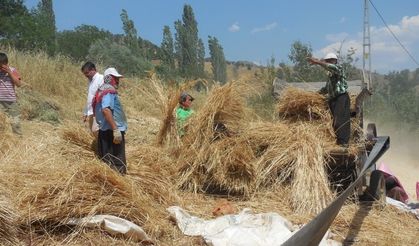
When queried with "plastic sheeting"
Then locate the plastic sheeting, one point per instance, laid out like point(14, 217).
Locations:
point(410, 207)
point(113, 225)
point(244, 229)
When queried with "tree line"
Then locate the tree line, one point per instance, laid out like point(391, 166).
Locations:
point(181, 55)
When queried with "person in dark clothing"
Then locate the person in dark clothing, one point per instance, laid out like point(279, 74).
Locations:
point(338, 98)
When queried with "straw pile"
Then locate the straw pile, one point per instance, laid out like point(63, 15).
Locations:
point(205, 154)
point(299, 105)
point(292, 156)
point(91, 189)
point(257, 156)
point(167, 130)
point(152, 168)
point(81, 141)
point(9, 230)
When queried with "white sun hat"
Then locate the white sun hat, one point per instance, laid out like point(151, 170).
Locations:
point(331, 56)
point(112, 71)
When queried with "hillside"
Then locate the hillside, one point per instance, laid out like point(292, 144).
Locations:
point(51, 174)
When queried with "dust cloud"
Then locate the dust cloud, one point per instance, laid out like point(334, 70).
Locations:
point(403, 156)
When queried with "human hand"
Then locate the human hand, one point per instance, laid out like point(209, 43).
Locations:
point(117, 136)
point(5, 68)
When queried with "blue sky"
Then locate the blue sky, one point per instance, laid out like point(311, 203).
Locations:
point(257, 30)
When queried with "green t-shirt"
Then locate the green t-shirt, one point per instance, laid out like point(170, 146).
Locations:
point(182, 115)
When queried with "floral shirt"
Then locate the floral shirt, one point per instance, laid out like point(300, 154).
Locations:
point(336, 85)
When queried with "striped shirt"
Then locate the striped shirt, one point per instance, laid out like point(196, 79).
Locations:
point(7, 87)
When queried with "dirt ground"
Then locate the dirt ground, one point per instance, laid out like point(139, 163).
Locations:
point(403, 156)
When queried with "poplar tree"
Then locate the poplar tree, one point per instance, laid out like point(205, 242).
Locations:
point(46, 26)
point(166, 52)
point(218, 62)
point(131, 36)
point(187, 45)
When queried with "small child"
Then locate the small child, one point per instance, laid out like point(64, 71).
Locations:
point(9, 79)
point(183, 112)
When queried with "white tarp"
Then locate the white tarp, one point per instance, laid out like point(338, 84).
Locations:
point(114, 226)
point(411, 207)
point(243, 229)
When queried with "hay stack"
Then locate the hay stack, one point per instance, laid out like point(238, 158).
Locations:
point(297, 104)
point(9, 230)
point(292, 155)
point(209, 161)
point(151, 168)
point(90, 189)
point(167, 130)
point(81, 141)
point(310, 186)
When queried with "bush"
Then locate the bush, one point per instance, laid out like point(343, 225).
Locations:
point(112, 54)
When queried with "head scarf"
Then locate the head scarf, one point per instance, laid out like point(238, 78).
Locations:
point(108, 87)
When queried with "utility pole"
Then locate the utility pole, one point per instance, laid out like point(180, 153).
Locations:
point(366, 59)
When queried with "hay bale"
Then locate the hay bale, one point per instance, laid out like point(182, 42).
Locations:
point(297, 104)
point(230, 167)
point(225, 106)
point(82, 142)
point(9, 230)
point(90, 189)
point(310, 186)
point(152, 169)
point(213, 159)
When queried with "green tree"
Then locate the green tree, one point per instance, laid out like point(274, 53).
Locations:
point(347, 61)
point(12, 12)
point(284, 72)
point(131, 36)
point(218, 62)
point(45, 20)
point(167, 56)
point(17, 25)
point(187, 44)
point(113, 54)
point(303, 71)
point(201, 58)
point(76, 43)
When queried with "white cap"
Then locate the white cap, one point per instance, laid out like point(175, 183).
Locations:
point(331, 56)
point(112, 71)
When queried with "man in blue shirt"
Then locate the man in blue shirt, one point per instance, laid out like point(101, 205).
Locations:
point(112, 122)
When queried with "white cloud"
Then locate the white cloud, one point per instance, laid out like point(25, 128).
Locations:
point(235, 27)
point(266, 28)
point(386, 53)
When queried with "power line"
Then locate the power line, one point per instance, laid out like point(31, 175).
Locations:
point(394, 35)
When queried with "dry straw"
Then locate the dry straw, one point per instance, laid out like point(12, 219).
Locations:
point(9, 230)
point(204, 153)
point(297, 104)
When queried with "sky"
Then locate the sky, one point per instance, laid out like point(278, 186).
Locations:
point(258, 30)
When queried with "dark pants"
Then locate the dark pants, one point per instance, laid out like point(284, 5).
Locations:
point(112, 154)
point(340, 108)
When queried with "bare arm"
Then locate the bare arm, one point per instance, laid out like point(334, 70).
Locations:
point(13, 76)
point(315, 61)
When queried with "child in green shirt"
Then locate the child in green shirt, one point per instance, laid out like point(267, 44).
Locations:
point(183, 112)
